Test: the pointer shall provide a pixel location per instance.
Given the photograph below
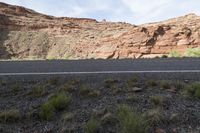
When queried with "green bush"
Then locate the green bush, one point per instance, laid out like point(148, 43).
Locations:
point(174, 118)
point(60, 101)
point(55, 103)
point(47, 112)
point(164, 56)
point(11, 115)
point(16, 88)
point(193, 90)
point(38, 90)
point(132, 82)
point(87, 92)
point(155, 117)
point(151, 83)
point(179, 85)
point(174, 54)
point(70, 86)
point(91, 126)
point(131, 121)
point(67, 116)
point(197, 93)
point(74, 82)
point(192, 52)
point(2, 82)
point(111, 83)
point(108, 119)
point(165, 84)
point(67, 88)
point(53, 81)
point(84, 90)
point(94, 93)
point(157, 100)
point(131, 98)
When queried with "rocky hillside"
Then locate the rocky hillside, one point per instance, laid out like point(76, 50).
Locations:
point(26, 34)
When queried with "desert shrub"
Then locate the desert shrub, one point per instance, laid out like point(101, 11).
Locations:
point(11, 115)
point(55, 103)
point(132, 82)
point(164, 56)
point(165, 84)
point(157, 100)
point(60, 101)
point(2, 82)
point(91, 126)
point(197, 93)
point(67, 117)
point(67, 87)
point(47, 112)
point(108, 119)
point(50, 57)
point(192, 90)
point(85, 91)
point(70, 86)
point(110, 83)
point(30, 114)
point(53, 81)
point(192, 52)
point(131, 121)
point(94, 93)
point(151, 83)
point(131, 98)
point(38, 90)
point(74, 82)
point(155, 117)
point(174, 54)
point(16, 88)
point(174, 117)
point(179, 85)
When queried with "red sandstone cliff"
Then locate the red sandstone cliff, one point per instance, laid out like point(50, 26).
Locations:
point(25, 33)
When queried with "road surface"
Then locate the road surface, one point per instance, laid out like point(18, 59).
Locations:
point(56, 67)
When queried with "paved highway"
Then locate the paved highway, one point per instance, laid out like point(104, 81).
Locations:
point(184, 65)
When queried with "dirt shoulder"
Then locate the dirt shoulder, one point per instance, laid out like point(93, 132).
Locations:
point(109, 105)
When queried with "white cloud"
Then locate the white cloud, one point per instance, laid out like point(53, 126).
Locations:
point(75, 12)
point(144, 11)
point(139, 6)
point(133, 11)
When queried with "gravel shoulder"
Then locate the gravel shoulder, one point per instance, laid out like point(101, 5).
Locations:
point(168, 105)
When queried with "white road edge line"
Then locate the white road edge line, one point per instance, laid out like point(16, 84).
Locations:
point(100, 72)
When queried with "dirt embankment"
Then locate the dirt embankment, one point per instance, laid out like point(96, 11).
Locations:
point(26, 34)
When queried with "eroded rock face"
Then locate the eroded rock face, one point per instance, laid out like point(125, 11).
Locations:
point(28, 34)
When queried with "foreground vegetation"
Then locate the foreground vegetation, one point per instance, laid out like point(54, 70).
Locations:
point(190, 52)
point(113, 105)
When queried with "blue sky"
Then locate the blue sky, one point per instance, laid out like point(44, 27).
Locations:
point(132, 11)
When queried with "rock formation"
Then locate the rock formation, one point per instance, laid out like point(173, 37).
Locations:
point(26, 34)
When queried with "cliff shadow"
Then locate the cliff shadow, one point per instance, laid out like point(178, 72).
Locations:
point(4, 32)
point(4, 54)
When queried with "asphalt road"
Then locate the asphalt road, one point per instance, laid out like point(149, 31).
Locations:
point(100, 66)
